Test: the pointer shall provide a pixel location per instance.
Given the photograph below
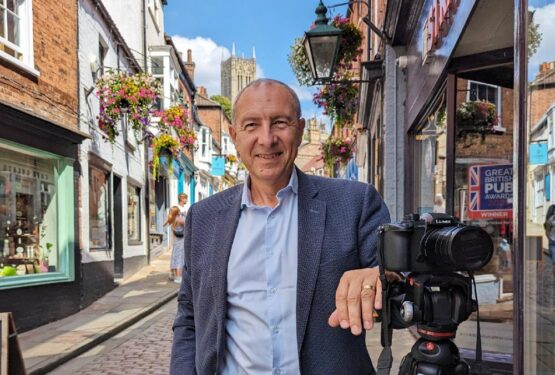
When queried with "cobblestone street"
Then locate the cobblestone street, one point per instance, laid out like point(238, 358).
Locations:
point(143, 348)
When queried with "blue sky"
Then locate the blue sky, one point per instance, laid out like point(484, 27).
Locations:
point(209, 27)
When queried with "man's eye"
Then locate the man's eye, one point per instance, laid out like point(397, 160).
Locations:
point(249, 126)
point(280, 124)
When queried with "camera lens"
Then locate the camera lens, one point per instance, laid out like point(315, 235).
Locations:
point(465, 248)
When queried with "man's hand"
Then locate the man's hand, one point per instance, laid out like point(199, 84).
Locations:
point(359, 293)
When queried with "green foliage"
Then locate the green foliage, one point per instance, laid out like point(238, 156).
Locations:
point(534, 36)
point(224, 102)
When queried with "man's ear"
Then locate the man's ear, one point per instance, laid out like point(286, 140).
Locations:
point(232, 132)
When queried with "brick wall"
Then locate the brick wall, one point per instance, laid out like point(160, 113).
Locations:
point(539, 101)
point(214, 118)
point(53, 95)
point(499, 145)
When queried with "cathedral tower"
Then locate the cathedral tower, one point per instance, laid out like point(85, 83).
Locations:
point(236, 73)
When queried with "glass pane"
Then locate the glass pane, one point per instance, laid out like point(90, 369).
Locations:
point(133, 213)
point(11, 5)
point(99, 210)
point(2, 23)
point(157, 65)
point(539, 251)
point(323, 53)
point(483, 197)
point(13, 28)
point(431, 162)
point(28, 215)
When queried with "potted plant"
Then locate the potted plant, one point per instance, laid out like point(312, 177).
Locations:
point(176, 118)
point(231, 159)
point(477, 116)
point(339, 100)
point(163, 146)
point(121, 92)
point(336, 149)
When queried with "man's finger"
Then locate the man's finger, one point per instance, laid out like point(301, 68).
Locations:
point(353, 303)
point(341, 303)
point(378, 301)
point(367, 300)
point(333, 320)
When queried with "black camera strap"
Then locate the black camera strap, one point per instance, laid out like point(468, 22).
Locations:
point(479, 367)
point(386, 358)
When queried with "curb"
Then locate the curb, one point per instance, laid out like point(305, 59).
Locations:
point(44, 368)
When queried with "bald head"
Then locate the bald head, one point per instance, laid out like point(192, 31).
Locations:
point(267, 81)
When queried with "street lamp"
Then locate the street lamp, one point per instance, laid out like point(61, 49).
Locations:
point(322, 46)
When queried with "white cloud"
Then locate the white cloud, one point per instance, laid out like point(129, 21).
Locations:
point(304, 93)
point(207, 56)
point(545, 53)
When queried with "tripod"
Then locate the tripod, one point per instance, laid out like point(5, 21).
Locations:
point(433, 358)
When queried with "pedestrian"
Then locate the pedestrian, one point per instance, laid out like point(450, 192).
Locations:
point(505, 254)
point(549, 226)
point(280, 273)
point(182, 199)
point(176, 221)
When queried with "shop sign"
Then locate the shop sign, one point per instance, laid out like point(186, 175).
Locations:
point(218, 165)
point(437, 25)
point(538, 153)
point(490, 192)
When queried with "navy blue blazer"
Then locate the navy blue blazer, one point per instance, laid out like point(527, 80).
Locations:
point(338, 221)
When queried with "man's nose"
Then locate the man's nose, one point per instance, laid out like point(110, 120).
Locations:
point(266, 137)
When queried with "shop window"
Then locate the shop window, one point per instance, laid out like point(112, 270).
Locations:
point(16, 39)
point(133, 213)
point(36, 217)
point(431, 164)
point(99, 209)
point(483, 196)
point(538, 252)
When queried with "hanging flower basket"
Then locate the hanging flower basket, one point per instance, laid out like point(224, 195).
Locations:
point(121, 92)
point(349, 51)
point(478, 117)
point(176, 118)
point(231, 159)
point(163, 145)
point(336, 149)
point(339, 100)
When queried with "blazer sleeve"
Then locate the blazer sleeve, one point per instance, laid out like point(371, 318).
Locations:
point(184, 348)
point(374, 214)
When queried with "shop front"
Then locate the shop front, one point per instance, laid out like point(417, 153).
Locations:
point(38, 244)
point(479, 117)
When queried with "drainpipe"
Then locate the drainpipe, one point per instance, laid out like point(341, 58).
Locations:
point(146, 142)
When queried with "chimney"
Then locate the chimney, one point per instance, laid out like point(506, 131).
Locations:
point(202, 91)
point(190, 65)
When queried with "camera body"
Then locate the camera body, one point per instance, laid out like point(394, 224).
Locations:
point(433, 243)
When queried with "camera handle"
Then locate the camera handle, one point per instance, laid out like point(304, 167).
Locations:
point(385, 360)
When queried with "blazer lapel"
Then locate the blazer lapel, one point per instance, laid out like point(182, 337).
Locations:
point(312, 219)
point(225, 222)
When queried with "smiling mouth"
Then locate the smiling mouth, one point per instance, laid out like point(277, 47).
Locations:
point(269, 156)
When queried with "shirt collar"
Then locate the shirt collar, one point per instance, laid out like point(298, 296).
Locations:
point(292, 186)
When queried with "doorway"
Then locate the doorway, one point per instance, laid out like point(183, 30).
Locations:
point(118, 227)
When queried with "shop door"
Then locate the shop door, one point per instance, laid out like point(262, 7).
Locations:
point(161, 197)
point(118, 227)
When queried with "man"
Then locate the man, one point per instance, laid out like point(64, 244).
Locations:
point(274, 267)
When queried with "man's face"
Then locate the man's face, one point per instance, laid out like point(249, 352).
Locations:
point(267, 133)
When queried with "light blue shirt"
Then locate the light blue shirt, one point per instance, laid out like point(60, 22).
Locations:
point(261, 324)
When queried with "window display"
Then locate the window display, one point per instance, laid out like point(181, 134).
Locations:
point(133, 213)
point(99, 209)
point(28, 214)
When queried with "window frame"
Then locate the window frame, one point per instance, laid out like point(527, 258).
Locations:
point(135, 241)
point(109, 235)
point(65, 190)
point(27, 62)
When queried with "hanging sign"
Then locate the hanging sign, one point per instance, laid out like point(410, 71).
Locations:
point(538, 153)
point(218, 165)
point(490, 192)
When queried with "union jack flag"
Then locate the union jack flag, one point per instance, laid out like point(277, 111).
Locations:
point(474, 188)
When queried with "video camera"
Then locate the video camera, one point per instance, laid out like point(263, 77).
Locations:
point(438, 256)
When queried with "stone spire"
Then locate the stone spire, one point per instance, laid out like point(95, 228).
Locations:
point(253, 53)
point(233, 49)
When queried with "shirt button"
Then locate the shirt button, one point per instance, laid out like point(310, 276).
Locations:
point(276, 329)
point(277, 371)
point(273, 291)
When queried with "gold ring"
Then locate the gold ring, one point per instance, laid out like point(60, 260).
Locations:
point(369, 286)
